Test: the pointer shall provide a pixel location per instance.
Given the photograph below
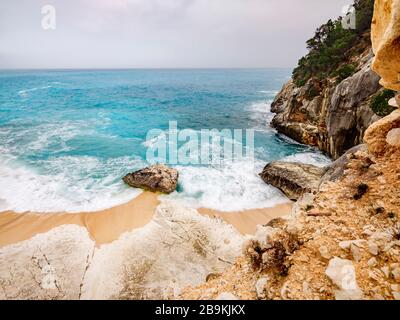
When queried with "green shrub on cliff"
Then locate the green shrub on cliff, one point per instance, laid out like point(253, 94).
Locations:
point(344, 72)
point(380, 103)
point(332, 47)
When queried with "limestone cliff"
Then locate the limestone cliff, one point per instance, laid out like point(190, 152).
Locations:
point(330, 106)
point(386, 42)
point(343, 241)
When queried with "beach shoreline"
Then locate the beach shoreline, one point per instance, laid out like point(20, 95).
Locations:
point(108, 225)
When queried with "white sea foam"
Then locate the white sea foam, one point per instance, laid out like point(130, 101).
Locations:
point(260, 113)
point(229, 187)
point(26, 91)
point(71, 184)
point(315, 158)
point(269, 92)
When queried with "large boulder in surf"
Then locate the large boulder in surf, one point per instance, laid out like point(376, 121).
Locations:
point(156, 178)
point(293, 179)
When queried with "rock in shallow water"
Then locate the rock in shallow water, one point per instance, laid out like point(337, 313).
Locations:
point(293, 179)
point(156, 178)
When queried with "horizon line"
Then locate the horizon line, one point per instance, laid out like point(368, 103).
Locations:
point(140, 68)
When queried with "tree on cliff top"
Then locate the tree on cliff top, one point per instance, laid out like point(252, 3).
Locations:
point(332, 46)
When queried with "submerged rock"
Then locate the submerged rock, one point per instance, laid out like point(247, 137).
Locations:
point(156, 178)
point(293, 179)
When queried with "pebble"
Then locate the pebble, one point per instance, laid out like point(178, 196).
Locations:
point(342, 273)
point(324, 251)
point(373, 248)
point(372, 262)
point(355, 251)
point(396, 295)
point(381, 180)
point(386, 271)
point(346, 244)
point(396, 274)
point(260, 287)
point(226, 296)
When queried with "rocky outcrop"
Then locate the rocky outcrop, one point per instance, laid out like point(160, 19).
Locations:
point(49, 266)
point(178, 248)
point(335, 170)
point(330, 116)
point(386, 42)
point(157, 178)
point(334, 245)
point(293, 179)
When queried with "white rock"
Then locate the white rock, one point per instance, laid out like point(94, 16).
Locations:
point(386, 271)
point(342, 273)
point(396, 295)
point(346, 244)
point(381, 180)
point(262, 235)
point(393, 137)
point(50, 265)
point(306, 288)
point(176, 249)
point(373, 248)
point(355, 251)
point(396, 274)
point(226, 296)
point(324, 251)
point(260, 287)
point(372, 262)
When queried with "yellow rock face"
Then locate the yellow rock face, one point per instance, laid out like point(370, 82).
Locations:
point(386, 42)
point(382, 136)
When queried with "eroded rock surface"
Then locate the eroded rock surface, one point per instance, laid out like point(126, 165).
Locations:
point(293, 179)
point(156, 178)
point(335, 120)
point(386, 42)
point(178, 248)
point(48, 266)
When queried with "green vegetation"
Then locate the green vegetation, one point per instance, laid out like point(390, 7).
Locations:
point(380, 103)
point(344, 72)
point(332, 46)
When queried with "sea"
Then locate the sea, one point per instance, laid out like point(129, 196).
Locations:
point(67, 137)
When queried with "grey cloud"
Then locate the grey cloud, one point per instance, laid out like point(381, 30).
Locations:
point(160, 33)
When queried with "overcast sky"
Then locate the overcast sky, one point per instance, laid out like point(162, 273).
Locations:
point(160, 33)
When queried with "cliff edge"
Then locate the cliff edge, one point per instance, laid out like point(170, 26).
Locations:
point(334, 95)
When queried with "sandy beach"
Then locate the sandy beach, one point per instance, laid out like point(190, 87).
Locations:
point(107, 225)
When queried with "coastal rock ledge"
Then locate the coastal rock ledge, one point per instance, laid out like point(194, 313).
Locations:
point(293, 179)
point(156, 178)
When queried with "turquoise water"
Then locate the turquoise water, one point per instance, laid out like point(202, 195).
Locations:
point(67, 137)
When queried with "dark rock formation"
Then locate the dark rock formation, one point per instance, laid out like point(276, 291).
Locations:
point(330, 116)
point(293, 179)
point(336, 170)
point(157, 178)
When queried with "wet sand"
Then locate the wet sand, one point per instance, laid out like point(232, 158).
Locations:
point(103, 226)
point(107, 225)
point(246, 221)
